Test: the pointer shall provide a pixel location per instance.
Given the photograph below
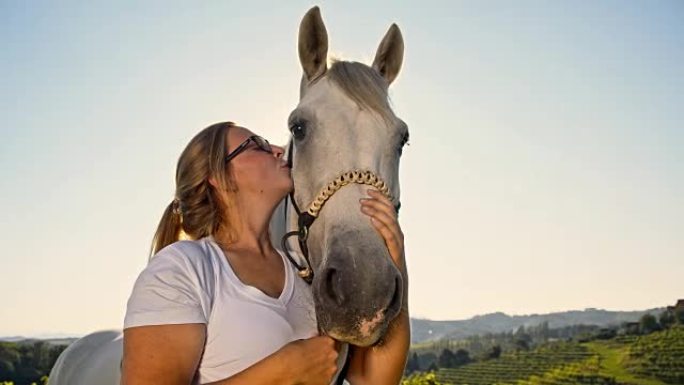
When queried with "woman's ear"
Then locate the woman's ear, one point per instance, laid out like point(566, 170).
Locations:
point(212, 181)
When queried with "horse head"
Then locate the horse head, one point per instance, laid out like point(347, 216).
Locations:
point(346, 139)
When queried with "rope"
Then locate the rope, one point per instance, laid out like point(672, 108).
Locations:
point(355, 176)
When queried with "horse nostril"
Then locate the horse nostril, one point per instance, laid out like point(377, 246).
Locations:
point(331, 286)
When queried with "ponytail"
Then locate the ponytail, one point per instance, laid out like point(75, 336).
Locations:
point(169, 229)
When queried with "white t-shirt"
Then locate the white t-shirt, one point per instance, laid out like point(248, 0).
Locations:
point(193, 282)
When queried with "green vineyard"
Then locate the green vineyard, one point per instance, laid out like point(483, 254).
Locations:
point(518, 366)
point(584, 372)
point(654, 359)
point(659, 355)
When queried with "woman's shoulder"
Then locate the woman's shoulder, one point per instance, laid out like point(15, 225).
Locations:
point(176, 286)
point(193, 252)
point(194, 259)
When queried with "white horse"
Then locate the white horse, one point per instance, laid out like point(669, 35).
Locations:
point(343, 123)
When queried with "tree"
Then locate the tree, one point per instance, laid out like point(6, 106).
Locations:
point(446, 359)
point(666, 319)
point(520, 331)
point(521, 344)
point(461, 357)
point(427, 360)
point(679, 315)
point(27, 363)
point(495, 352)
point(10, 358)
point(413, 364)
point(606, 334)
point(648, 324)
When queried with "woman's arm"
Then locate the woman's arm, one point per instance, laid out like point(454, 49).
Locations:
point(170, 354)
point(162, 354)
point(310, 361)
point(385, 363)
point(382, 364)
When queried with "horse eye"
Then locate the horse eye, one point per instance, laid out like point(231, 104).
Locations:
point(298, 131)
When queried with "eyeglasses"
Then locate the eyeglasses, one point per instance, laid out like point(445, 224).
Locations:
point(262, 144)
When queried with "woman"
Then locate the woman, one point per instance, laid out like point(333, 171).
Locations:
point(227, 307)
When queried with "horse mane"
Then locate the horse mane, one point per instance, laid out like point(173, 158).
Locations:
point(363, 85)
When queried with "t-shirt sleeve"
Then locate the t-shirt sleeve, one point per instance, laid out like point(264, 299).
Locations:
point(167, 291)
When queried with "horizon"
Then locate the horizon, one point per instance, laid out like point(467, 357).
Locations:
point(545, 168)
point(58, 335)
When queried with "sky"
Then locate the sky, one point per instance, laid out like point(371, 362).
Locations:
point(545, 169)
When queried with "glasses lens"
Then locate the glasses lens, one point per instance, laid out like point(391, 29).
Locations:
point(263, 144)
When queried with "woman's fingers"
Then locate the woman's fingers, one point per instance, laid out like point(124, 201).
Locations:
point(394, 245)
point(384, 220)
point(379, 202)
point(382, 199)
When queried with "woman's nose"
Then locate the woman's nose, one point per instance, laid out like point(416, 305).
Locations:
point(277, 151)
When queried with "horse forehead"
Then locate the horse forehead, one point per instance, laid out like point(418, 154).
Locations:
point(324, 100)
point(324, 93)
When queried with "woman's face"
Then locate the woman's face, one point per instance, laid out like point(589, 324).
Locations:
point(256, 172)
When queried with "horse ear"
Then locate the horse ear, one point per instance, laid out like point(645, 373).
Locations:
point(390, 54)
point(313, 44)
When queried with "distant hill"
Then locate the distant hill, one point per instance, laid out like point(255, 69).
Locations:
point(12, 338)
point(423, 330)
point(51, 341)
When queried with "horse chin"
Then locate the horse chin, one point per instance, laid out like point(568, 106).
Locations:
point(368, 332)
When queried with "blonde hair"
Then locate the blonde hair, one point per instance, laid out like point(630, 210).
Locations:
point(198, 208)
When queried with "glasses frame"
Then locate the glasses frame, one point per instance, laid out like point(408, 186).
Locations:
point(262, 145)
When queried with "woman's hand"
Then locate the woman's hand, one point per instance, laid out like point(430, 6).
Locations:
point(383, 217)
point(385, 364)
point(311, 361)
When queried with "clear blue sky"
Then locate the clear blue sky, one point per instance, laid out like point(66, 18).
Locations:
point(545, 170)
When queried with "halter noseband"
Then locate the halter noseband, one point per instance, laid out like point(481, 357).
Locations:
point(306, 219)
